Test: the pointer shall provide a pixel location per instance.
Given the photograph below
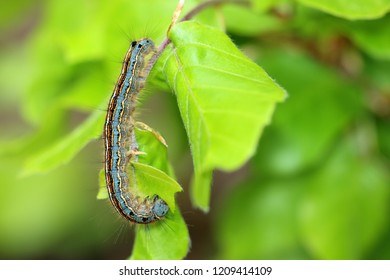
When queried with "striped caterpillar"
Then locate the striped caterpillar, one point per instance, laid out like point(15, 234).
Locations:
point(120, 141)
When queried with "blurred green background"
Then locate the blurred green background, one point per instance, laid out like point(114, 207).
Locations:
point(317, 188)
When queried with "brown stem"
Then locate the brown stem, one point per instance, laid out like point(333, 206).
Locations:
point(206, 4)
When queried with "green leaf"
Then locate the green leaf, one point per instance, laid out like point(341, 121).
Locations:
point(344, 210)
point(168, 239)
point(258, 220)
point(321, 104)
point(200, 189)
point(48, 80)
point(84, 88)
point(358, 9)
point(65, 149)
point(30, 144)
point(244, 22)
point(152, 181)
point(225, 100)
point(375, 43)
point(154, 146)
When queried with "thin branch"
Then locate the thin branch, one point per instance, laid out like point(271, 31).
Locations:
point(206, 4)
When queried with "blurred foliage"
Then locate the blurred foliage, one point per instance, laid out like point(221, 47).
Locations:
point(316, 188)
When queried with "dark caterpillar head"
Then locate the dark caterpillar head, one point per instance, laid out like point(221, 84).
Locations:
point(160, 208)
point(146, 43)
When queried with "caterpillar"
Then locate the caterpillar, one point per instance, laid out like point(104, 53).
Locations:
point(120, 140)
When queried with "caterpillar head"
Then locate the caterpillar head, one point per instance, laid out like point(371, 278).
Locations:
point(160, 208)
